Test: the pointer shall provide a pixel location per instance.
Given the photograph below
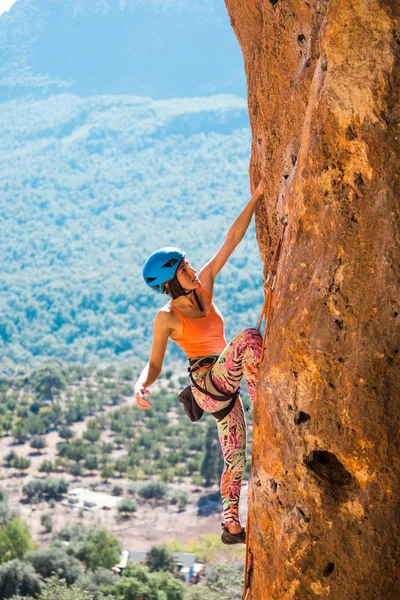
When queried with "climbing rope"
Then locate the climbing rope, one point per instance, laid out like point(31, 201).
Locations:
point(269, 286)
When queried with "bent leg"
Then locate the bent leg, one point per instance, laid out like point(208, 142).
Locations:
point(240, 358)
point(232, 437)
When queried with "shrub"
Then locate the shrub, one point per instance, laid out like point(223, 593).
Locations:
point(223, 582)
point(47, 523)
point(180, 498)
point(21, 463)
point(137, 583)
point(46, 466)
point(5, 513)
point(9, 457)
point(55, 562)
point(65, 433)
point(76, 450)
point(95, 547)
point(17, 577)
point(127, 506)
point(92, 433)
point(100, 581)
point(57, 589)
point(107, 472)
point(75, 470)
point(38, 442)
point(91, 463)
point(15, 540)
point(20, 433)
point(153, 489)
point(51, 487)
point(159, 558)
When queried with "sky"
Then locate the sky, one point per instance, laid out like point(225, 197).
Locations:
point(6, 5)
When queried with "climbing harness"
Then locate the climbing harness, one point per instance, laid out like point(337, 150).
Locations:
point(187, 399)
point(269, 286)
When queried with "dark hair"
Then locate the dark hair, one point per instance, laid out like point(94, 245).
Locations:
point(175, 290)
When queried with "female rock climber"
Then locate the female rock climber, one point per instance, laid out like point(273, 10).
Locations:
point(193, 321)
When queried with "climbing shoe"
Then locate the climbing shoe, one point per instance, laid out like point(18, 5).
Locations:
point(232, 538)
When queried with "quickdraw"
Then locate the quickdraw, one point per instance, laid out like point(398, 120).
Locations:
point(269, 286)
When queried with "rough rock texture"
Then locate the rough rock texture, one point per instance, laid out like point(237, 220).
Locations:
point(323, 83)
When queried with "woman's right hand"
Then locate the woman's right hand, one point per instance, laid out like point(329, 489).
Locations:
point(140, 393)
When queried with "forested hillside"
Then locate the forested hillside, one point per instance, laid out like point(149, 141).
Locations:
point(91, 184)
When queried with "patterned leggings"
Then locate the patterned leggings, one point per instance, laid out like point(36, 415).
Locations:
point(240, 357)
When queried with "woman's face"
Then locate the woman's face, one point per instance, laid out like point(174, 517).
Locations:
point(187, 276)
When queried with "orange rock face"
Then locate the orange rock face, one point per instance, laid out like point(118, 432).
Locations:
point(324, 103)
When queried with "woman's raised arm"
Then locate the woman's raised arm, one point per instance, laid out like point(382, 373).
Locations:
point(234, 236)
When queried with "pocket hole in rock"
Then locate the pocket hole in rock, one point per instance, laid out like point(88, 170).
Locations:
point(328, 468)
point(301, 417)
point(330, 567)
point(273, 2)
point(304, 513)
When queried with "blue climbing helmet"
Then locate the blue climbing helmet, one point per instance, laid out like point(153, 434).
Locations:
point(161, 267)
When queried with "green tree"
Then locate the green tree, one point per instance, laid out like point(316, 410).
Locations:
point(159, 558)
point(5, 511)
point(122, 465)
point(75, 470)
point(76, 450)
point(102, 550)
point(100, 581)
point(55, 562)
point(153, 489)
point(46, 466)
point(38, 443)
point(47, 523)
point(127, 506)
point(50, 415)
point(58, 589)
point(21, 463)
point(223, 582)
point(181, 499)
point(9, 457)
point(212, 465)
point(137, 583)
point(34, 424)
point(169, 585)
point(20, 432)
point(65, 433)
point(48, 380)
point(51, 487)
point(15, 540)
point(92, 433)
point(91, 463)
point(17, 577)
point(107, 472)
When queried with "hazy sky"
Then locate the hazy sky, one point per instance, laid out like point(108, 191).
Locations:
point(5, 5)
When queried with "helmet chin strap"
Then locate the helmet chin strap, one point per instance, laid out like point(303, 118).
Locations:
point(198, 301)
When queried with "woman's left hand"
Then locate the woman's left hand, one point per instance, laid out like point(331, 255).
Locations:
point(261, 187)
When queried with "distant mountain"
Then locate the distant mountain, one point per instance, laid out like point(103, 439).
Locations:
point(157, 48)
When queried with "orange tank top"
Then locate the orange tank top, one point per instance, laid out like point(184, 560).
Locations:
point(202, 336)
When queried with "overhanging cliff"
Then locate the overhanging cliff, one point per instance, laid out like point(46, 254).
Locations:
point(323, 89)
